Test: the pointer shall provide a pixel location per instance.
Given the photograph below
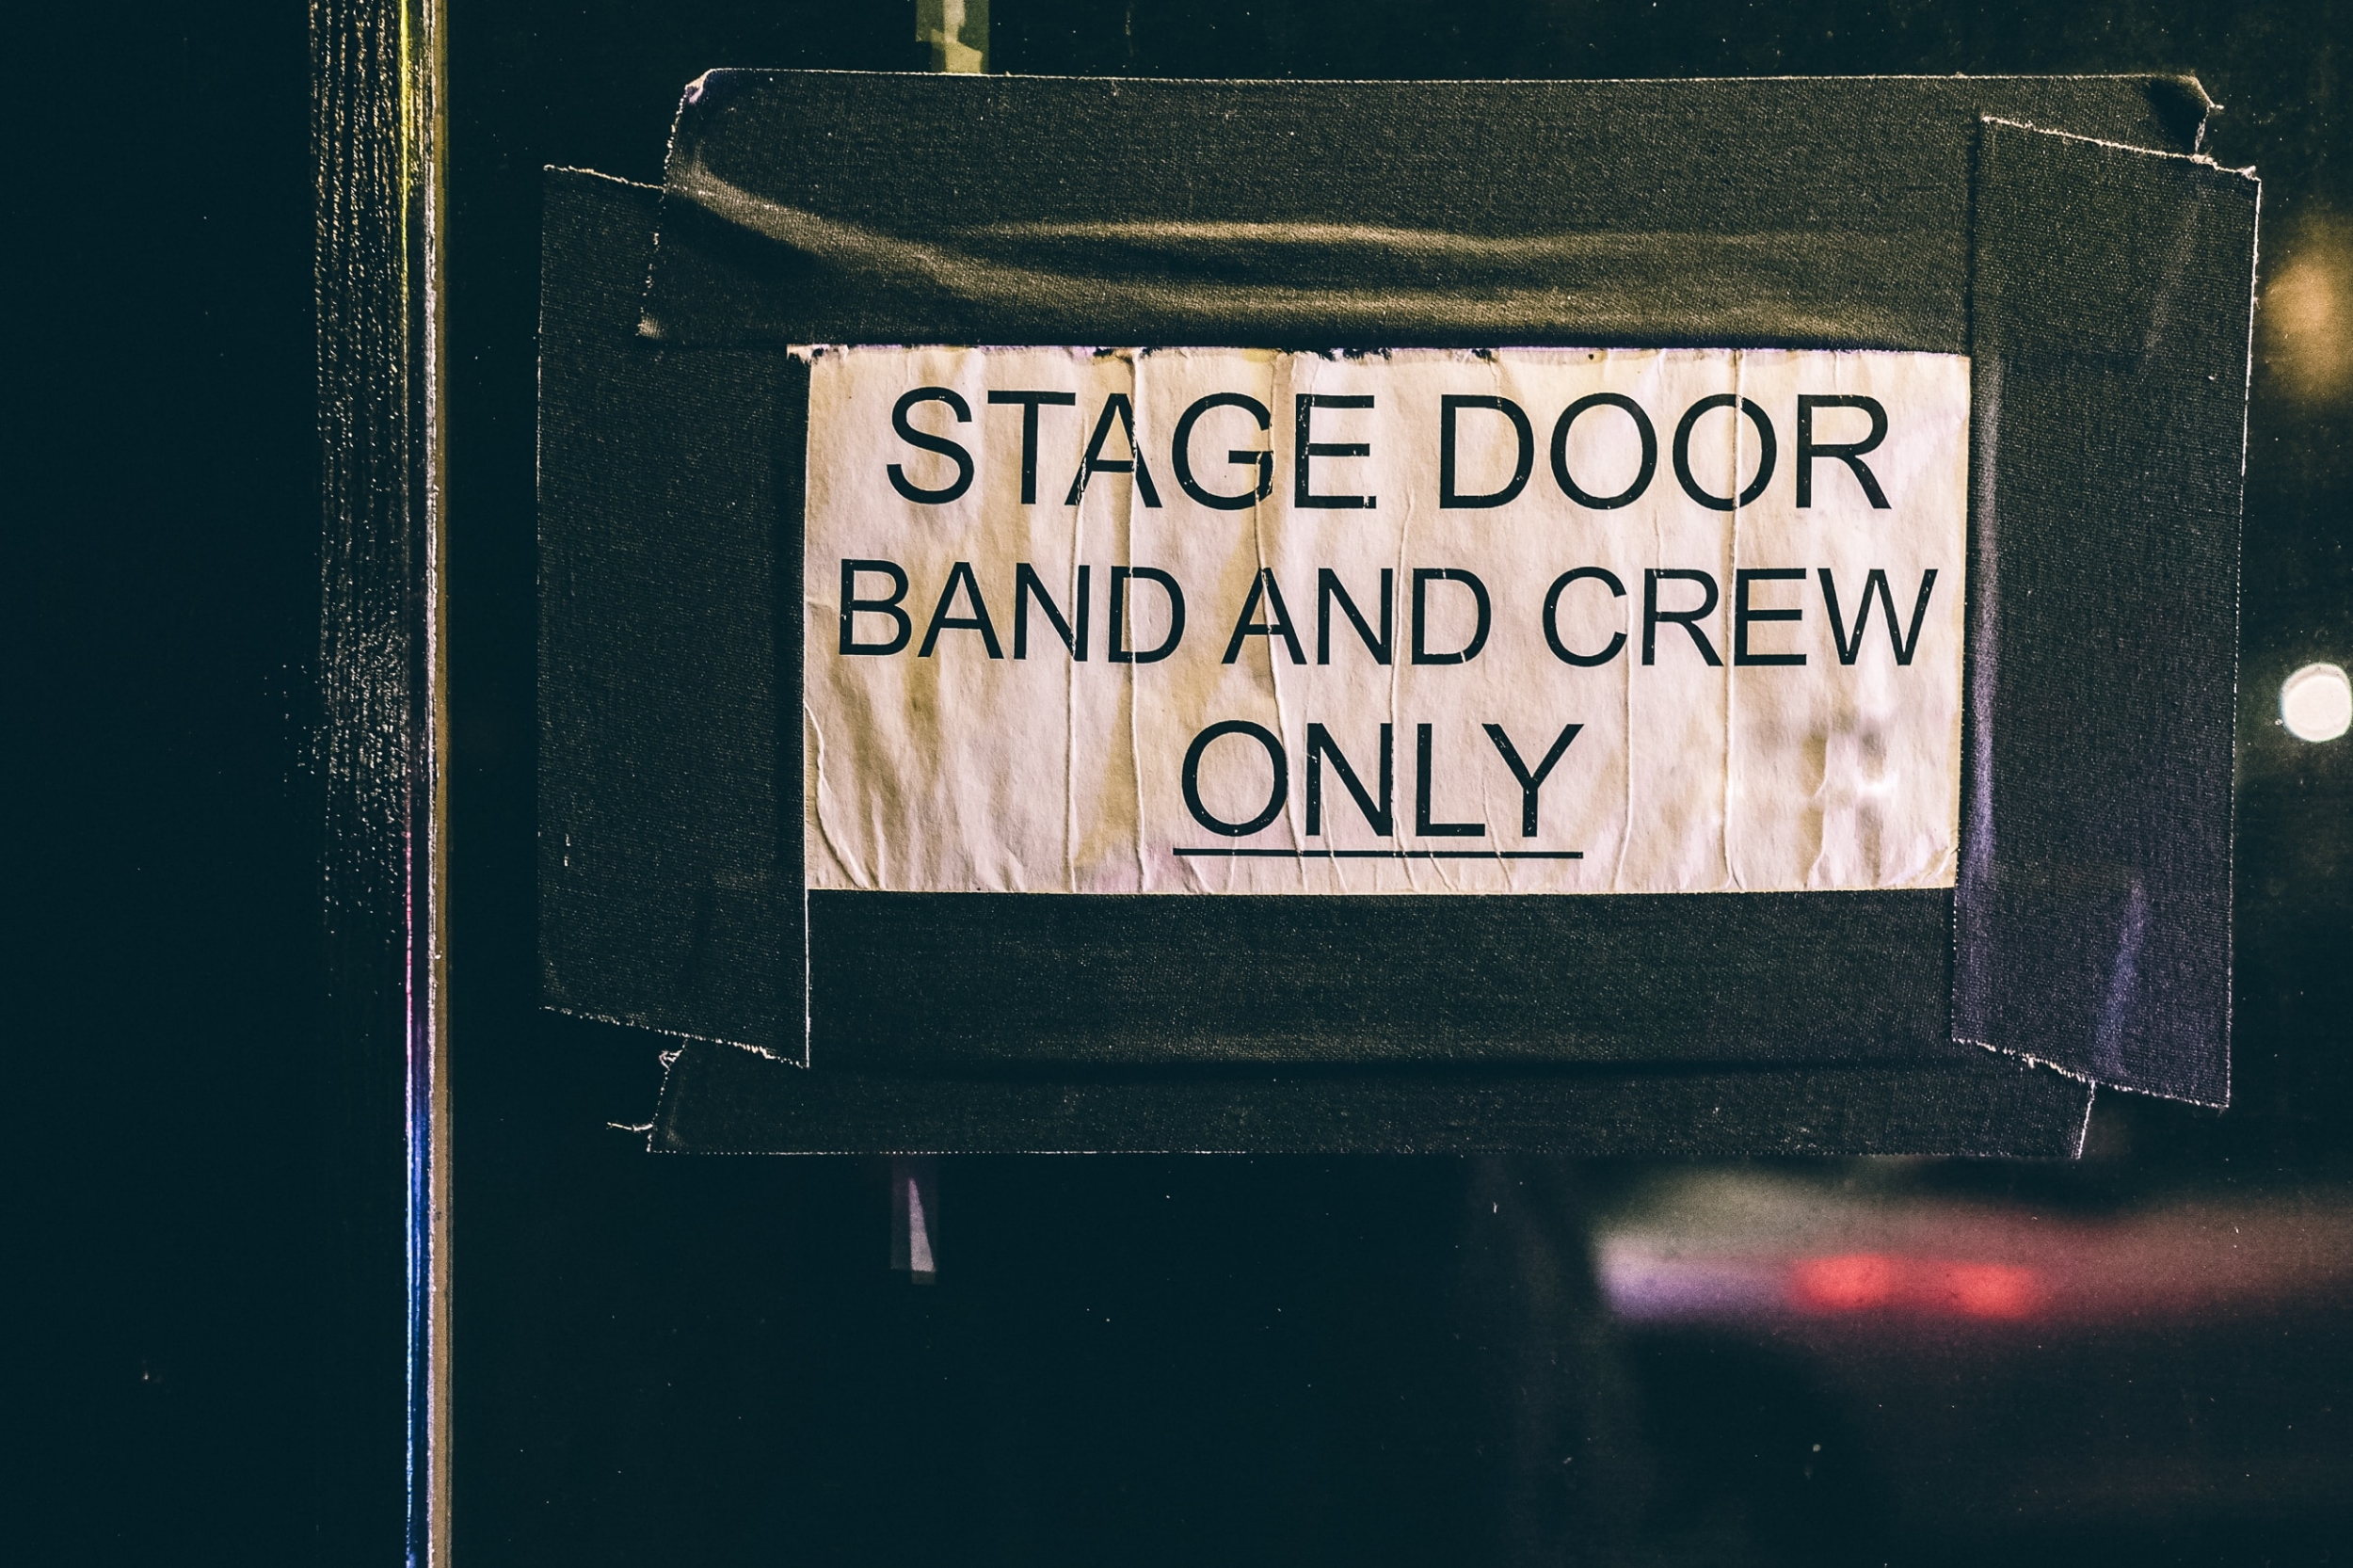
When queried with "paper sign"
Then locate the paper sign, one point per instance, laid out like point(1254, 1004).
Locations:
point(1187, 620)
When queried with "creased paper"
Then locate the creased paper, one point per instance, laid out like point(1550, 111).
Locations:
point(1187, 620)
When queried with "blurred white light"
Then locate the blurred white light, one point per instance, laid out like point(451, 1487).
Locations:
point(2316, 703)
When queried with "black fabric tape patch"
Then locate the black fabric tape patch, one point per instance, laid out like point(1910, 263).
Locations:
point(670, 878)
point(823, 207)
point(669, 893)
point(2113, 298)
point(1960, 1100)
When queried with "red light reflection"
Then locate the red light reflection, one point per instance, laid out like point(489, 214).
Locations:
point(1729, 1247)
point(1992, 1289)
point(1856, 1282)
point(1868, 1281)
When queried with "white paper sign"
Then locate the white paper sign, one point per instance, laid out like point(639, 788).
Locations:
point(1521, 621)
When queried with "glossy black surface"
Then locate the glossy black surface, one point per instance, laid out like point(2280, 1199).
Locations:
point(708, 1361)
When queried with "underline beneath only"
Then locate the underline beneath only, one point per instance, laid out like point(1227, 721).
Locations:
point(1238, 854)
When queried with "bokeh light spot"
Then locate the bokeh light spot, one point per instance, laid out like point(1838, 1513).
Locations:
point(2316, 703)
point(2307, 313)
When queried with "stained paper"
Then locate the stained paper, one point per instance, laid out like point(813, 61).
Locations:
point(1189, 620)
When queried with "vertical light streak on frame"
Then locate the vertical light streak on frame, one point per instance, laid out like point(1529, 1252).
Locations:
point(378, 121)
point(423, 126)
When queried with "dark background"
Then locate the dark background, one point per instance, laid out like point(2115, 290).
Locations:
point(705, 1360)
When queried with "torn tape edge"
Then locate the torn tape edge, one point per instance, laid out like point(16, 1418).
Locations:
point(669, 1058)
point(2085, 1079)
point(597, 174)
point(586, 1016)
point(645, 293)
point(2200, 159)
point(690, 96)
